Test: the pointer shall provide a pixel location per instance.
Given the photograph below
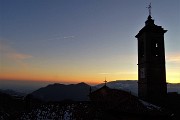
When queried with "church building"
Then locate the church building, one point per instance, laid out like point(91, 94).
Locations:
point(152, 84)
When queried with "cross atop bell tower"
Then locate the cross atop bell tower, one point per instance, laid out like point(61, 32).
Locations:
point(151, 61)
point(149, 8)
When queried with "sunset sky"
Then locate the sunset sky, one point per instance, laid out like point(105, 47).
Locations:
point(70, 41)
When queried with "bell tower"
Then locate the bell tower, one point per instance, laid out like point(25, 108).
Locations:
point(151, 62)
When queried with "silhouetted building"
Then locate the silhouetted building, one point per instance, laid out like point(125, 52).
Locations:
point(151, 62)
point(118, 104)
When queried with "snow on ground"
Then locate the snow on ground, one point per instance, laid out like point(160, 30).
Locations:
point(49, 113)
point(53, 112)
point(150, 106)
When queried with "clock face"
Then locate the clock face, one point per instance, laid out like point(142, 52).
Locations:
point(142, 73)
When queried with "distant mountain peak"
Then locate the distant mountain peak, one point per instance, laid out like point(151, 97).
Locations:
point(60, 92)
point(82, 83)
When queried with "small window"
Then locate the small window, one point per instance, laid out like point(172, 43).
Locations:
point(156, 45)
point(155, 48)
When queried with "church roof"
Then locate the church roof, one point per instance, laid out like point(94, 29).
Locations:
point(122, 101)
point(107, 94)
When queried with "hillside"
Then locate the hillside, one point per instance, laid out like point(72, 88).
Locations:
point(60, 92)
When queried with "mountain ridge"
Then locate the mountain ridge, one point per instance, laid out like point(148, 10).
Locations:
point(60, 92)
point(80, 91)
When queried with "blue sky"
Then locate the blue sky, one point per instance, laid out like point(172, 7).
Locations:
point(82, 40)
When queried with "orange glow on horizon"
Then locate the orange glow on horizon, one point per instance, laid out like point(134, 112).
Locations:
point(66, 80)
point(77, 77)
point(73, 81)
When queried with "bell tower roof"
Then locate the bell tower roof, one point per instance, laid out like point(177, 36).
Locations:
point(149, 21)
point(150, 27)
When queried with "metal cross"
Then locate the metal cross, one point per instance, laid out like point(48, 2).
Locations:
point(149, 7)
point(105, 81)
